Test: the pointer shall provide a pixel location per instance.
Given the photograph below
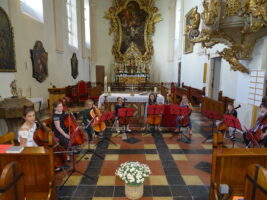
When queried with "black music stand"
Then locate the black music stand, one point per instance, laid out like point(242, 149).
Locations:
point(125, 112)
point(213, 116)
point(154, 110)
point(233, 122)
point(88, 150)
point(73, 169)
point(180, 112)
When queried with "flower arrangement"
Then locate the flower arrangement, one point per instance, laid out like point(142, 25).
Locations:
point(133, 173)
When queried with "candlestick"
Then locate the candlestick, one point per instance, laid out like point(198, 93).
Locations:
point(155, 89)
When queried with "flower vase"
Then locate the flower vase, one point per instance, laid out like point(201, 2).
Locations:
point(134, 192)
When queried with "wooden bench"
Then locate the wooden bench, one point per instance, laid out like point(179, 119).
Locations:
point(229, 166)
point(225, 100)
point(37, 165)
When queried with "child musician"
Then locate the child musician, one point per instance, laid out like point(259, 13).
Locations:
point(261, 125)
point(185, 103)
point(58, 126)
point(88, 119)
point(152, 100)
point(28, 128)
point(231, 110)
point(120, 104)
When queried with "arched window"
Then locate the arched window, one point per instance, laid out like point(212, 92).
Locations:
point(87, 23)
point(33, 8)
point(72, 23)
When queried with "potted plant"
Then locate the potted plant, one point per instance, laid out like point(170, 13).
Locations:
point(134, 175)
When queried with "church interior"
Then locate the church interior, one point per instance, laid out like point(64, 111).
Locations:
point(133, 99)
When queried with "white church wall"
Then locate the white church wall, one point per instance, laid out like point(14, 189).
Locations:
point(26, 32)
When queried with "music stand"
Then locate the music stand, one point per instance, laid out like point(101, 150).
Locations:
point(213, 116)
point(125, 113)
point(180, 112)
point(233, 122)
point(154, 110)
point(104, 117)
point(73, 169)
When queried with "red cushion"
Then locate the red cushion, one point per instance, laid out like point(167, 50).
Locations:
point(95, 97)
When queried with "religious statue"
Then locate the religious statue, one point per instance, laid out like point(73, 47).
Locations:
point(14, 91)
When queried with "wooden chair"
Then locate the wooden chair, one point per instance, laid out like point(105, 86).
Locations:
point(256, 183)
point(12, 183)
point(8, 138)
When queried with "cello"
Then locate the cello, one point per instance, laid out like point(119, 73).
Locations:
point(154, 119)
point(41, 138)
point(97, 125)
point(77, 136)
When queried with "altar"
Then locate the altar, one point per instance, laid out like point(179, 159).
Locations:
point(137, 98)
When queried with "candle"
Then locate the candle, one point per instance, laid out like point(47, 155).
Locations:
point(109, 89)
point(155, 89)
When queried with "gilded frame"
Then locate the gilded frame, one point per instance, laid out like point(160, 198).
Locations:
point(133, 52)
point(188, 45)
point(7, 45)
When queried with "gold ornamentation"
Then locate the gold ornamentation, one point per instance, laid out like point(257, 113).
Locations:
point(236, 23)
point(210, 11)
point(133, 21)
point(230, 56)
point(192, 21)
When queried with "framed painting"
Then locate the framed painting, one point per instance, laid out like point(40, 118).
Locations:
point(7, 49)
point(39, 59)
point(188, 46)
point(133, 23)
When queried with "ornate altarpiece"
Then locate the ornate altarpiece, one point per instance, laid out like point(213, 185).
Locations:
point(133, 24)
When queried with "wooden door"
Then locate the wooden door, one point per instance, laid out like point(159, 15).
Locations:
point(100, 74)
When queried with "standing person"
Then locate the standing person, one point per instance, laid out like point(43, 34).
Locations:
point(26, 131)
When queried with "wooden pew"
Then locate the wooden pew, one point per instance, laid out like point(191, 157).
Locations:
point(256, 182)
point(196, 95)
point(229, 166)
point(225, 100)
point(54, 95)
point(208, 104)
point(12, 182)
point(37, 164)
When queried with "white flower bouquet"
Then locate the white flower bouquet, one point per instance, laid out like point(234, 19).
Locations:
point(133, 173)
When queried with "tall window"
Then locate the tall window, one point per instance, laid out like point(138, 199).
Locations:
point(87, 23)
point(33, 8)
point(72, 23)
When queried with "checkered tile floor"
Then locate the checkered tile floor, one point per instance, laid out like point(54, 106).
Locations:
point(180, 169)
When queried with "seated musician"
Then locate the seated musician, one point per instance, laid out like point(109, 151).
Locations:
point(26, 132)
point(260, 127)
point(88, 119)
point(231, 111)
point(152, 100)
point(58, 126)
point(120, 104)
point(185, 103)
